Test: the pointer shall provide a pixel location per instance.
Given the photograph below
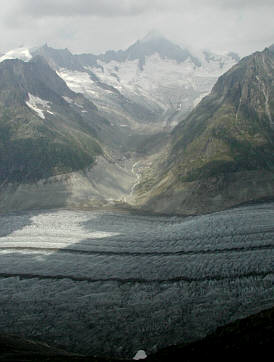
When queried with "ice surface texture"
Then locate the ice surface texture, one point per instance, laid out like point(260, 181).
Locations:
point(109, 284)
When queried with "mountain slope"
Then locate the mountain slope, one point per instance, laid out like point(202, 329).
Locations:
point(59, 112)
point(43, 129)
point(223, 153)
point(56, 149)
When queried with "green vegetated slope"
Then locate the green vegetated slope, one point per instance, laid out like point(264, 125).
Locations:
point(59, 138)
point(223, 153)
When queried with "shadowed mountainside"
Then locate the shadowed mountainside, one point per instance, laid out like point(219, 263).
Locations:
point(43, 131)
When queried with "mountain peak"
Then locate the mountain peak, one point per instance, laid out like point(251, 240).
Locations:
point(57, 57)
point(155, 43)
point(152, 35)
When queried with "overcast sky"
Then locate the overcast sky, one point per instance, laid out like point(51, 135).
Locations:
point(94, 26)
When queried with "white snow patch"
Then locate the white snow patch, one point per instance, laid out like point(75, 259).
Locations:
point(140, 355)
point(19, 53)
point(79, 82)
point(68, 100)
point(38, 105)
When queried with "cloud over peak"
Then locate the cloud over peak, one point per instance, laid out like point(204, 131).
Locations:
point(99, 25)
point(105, 8)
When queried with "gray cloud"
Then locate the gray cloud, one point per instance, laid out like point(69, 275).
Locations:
point(108, 8)
point(240, 4)
point(113, 8)
point(98, 25)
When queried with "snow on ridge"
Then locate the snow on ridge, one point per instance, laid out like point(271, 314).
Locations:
point(158, 72)
point(163, 81)
point(38, 105)
point(18, 53)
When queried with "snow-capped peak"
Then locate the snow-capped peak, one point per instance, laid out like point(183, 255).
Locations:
point(21, 53)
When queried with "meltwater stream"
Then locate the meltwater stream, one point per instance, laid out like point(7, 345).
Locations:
point(110, 284)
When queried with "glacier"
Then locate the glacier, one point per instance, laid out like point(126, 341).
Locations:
point(105, 283)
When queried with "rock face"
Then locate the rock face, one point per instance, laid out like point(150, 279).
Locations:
point(222, 154)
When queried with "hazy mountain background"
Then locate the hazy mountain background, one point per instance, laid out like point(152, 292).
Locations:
point(60, 111)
